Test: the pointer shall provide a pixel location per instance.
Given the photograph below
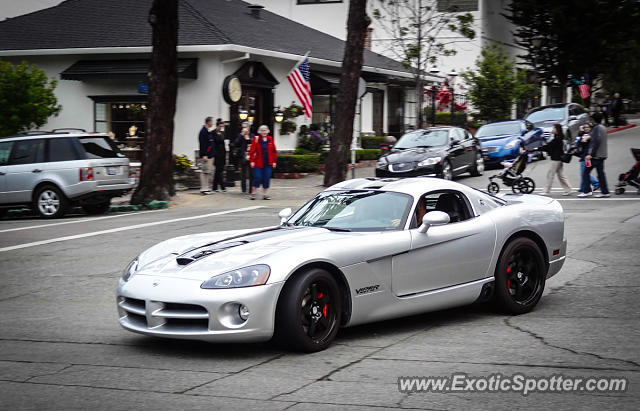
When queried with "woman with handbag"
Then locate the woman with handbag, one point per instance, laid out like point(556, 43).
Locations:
point(555, 148)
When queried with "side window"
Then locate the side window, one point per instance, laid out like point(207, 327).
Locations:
point(463, 134)
point(27, 152)
point(61, 149)
point(5, 150)
point(451, 202)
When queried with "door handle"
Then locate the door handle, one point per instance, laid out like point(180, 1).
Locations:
point(36, 170)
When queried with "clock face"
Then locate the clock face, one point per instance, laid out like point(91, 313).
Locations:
point(235, 90)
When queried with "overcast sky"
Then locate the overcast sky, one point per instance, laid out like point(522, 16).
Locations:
point(13, 8)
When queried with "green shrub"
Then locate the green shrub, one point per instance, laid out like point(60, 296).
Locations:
point(300, 151)
point(444, 117)
point(368, 154)
point(372, 141)
point(297, 163)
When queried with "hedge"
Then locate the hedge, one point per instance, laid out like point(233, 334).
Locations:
point(444, 117)
point(368, 154)
point(372, 141)
point(297, 163)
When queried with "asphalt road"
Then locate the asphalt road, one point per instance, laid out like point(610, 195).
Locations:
point(61, 346)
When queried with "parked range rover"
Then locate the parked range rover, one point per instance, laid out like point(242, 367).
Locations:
point(52, 171)
point(439, 151)
point(570, 116)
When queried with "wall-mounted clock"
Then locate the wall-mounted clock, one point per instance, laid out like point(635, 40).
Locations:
point(232, 89)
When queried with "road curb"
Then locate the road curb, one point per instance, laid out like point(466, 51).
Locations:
point(628, 126)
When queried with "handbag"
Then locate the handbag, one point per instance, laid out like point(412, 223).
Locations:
point(566, 157)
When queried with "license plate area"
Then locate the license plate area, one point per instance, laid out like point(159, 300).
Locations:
point(112, 171)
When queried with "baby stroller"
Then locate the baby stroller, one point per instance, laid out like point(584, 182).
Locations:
point(512, 177)
point(631, 176)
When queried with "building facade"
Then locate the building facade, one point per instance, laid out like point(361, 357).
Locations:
point(99, 51)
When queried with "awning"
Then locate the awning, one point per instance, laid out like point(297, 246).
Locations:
point(123, 69)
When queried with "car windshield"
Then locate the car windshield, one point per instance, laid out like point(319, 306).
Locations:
point(100, 147)
point(354, 210)
point(547, 114)
point(501, 129)
point(422, 138)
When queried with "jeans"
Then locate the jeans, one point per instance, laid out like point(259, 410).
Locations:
point(261, 177)
point(583, 185)
point(218, 176)
point(598, 164)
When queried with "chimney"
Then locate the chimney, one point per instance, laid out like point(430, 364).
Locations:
point(367, 38)
point(255, 10)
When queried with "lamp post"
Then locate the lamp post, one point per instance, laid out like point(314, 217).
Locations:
point(278, 115)
point(536, 42)
point(243, 114)
point(452, 82)
point(433, 71)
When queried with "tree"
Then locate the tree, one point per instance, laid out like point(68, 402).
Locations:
point(156, 177)
point(357, 23)
point(496, 84)
point(576, 37)
point(416, 29)
point(26, 98)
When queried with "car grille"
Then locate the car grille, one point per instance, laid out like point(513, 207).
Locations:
point(168, 316)
point(400, 167)
point(491, 149)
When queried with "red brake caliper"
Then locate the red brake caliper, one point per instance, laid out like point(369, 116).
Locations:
point(324, 311)
point(508, 281)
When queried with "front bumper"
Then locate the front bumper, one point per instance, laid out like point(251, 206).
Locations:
point(179, 308)
point(496, 157)
point(430, 171)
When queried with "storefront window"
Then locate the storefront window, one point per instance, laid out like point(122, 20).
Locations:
point(323, 106)
point(124, 121)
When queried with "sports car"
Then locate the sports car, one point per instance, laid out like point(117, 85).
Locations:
point(360, 251)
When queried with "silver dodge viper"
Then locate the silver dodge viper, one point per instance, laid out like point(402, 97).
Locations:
point(363, 250)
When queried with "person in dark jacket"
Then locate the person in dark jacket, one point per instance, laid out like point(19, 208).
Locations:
point(262, 159)
point(616, 110)
point(241, 145)
point(596, 155)
point(205, 140)
point(555, 148)
point(220, 156)
point(582, 145)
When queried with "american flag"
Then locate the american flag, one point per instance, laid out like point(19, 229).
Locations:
point(299, 79)
point(584, 90)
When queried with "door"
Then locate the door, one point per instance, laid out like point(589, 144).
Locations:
point(5, 151)
point(24, 169)
point(456, 151)
point(469, 148)
point(378, 112)
point(447, 255)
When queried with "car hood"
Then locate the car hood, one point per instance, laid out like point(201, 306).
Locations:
point(497, 140)
point(412, 155)
point(547, 124)
point(201, 256)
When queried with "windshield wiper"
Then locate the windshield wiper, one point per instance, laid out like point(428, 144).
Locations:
point(346, 230)
point(424, 146)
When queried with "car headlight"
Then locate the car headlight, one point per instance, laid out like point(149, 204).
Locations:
point(511, 144)
point(243, 277)
point(430, 161)
point(130, 270)
point(382, 164)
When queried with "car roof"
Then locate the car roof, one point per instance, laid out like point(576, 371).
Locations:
point(414, 186)
point(51, 134)
point(518, 120)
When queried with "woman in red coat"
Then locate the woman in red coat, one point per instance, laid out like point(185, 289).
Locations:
point(262, 159)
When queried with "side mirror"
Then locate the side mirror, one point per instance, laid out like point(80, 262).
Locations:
point(455, 142)
point(573, 118)
point(433, 218)
point(284, 214)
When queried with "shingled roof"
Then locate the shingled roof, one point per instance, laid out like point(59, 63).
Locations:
point(82, 24)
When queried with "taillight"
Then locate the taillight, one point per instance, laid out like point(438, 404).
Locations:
point(86, 174)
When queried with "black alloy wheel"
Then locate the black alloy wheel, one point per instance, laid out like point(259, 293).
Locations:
point(309, 311)
point(520, 276)
point(478, 166)
point(447, 171)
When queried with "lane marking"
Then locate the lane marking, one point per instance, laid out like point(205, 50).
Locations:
point(596, 199)
point(78, 221)
point(132, 227)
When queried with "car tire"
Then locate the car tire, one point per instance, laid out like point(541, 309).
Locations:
point(478, 166)
point(99, 208)
point(519, 277)
point(50, 202)
point(308, 312)
point(447, 171)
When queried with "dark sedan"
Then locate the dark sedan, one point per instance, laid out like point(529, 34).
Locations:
point(443, 152)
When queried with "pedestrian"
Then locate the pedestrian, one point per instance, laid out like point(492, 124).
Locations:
point(596, 155)
point(262, 159)
point(582, 145)
point(555, 148)
point(604, 108)
point(205, 140)
point(616, 109)
point(220, 156)
point(241, 145)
